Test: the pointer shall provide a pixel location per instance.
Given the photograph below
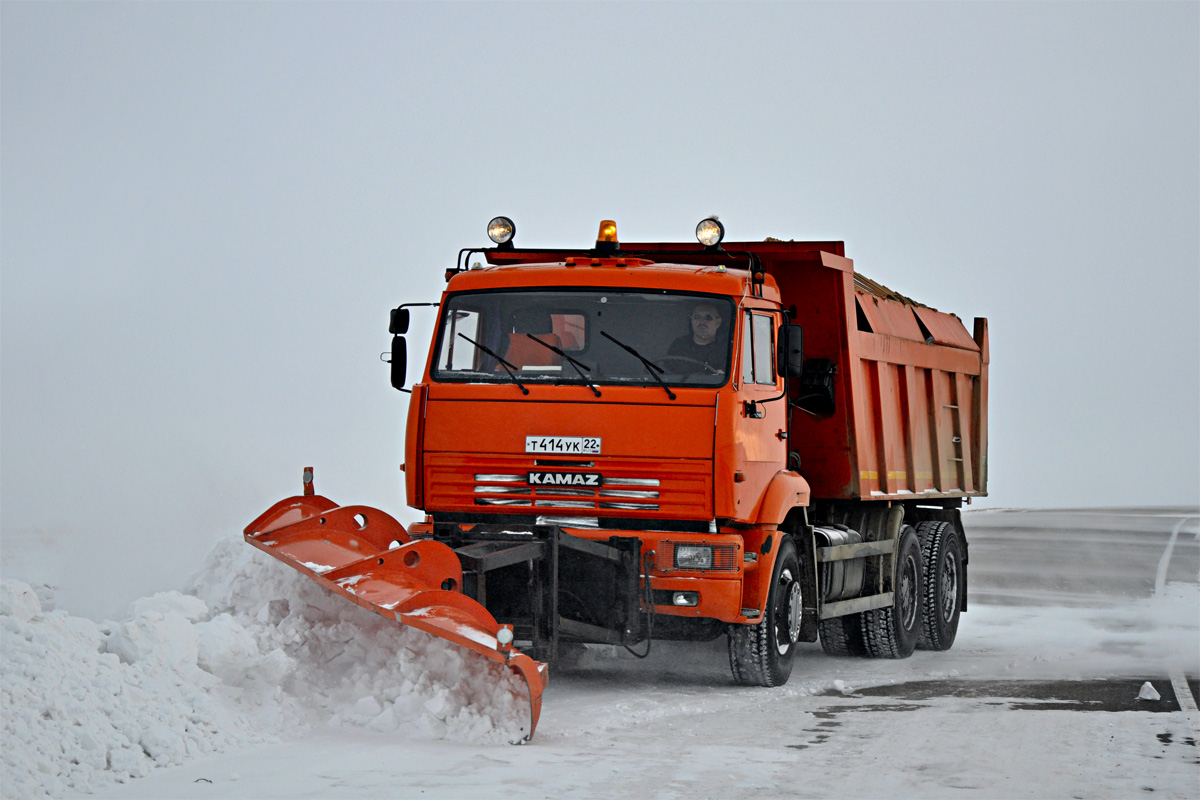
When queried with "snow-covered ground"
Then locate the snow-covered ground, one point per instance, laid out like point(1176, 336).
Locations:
point(253, 682)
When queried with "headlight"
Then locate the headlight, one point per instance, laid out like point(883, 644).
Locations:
point(501, 230)
point(693, 556)
point(710, 232)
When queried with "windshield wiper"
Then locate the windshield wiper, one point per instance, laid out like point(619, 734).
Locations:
point(651, 367)
point(576, 364)
point(507, 366)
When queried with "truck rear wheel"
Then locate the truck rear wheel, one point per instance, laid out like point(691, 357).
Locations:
point(762, 654)
point(842, 636)
point(893, 632)
point(943, 585)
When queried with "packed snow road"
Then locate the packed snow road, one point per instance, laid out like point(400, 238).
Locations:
point(1071, 614)
point(1077, 558)
point(1038, 698)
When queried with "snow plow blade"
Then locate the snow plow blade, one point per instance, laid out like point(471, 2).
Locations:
point(366, 556)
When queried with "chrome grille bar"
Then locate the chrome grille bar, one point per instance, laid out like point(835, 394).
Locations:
point(627, 493)
point(631, 506)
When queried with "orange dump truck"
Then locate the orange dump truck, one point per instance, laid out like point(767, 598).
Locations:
point(633, 442)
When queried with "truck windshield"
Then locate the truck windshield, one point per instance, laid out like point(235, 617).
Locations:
point(585, 337)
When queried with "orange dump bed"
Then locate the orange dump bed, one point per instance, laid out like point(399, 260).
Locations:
point(909, 417)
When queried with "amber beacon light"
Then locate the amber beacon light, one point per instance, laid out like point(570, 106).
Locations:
point(606, 239)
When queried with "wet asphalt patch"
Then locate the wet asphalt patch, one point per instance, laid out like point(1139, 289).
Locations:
point(1112, 695)
point(1109, 695)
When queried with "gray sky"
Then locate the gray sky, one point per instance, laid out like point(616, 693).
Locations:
point(206, 211)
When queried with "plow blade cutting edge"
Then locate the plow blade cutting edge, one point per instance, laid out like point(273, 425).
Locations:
point(367, 557)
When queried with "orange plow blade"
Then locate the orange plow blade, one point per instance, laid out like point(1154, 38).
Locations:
point(367, 557)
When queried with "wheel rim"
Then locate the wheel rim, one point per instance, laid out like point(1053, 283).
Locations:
point(908, 593)
point(791, 612)
point(949, 587)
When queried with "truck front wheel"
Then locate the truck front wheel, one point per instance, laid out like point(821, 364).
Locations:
point(892, 632)
point(762, 654)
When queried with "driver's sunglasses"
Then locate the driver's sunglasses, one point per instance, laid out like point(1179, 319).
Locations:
point(705, 317)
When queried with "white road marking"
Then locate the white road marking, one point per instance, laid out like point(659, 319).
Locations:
point(1183, 693)
point(1160, 581)
point(1187, 703)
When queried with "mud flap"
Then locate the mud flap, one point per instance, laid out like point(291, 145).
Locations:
point(367, 557)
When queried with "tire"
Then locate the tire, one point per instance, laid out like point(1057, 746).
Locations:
point(944, 577)
point(893, 632)
point(762, 654)
point(842, 636)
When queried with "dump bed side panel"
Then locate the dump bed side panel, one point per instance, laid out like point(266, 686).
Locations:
point(918, 417)
point(910, 412)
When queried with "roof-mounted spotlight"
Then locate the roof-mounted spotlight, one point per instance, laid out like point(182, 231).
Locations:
point(501, 230)
point(710, 232)
point(606, 239)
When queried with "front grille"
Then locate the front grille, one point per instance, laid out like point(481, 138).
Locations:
point(631, 488)
point(568, 497)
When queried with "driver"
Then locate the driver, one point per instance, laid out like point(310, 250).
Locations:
point(705, 351)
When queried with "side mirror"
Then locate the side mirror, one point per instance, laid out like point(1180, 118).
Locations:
point(399, 359)
point(399, 324)
point(791, 351)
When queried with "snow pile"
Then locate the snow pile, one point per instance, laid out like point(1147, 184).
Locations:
point(85, 703)
point(348, 662)
point(254, 650)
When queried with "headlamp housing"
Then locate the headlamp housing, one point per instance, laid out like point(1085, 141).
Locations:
point(693, 556)
point(501, 230)
point(710, 232)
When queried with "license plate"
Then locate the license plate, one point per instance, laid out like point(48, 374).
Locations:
point(563, 445)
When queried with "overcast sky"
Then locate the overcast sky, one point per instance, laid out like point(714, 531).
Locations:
point(207, 209)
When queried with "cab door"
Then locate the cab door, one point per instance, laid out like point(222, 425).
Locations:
point(758, 419)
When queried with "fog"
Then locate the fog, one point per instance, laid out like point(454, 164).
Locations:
point(207, 209)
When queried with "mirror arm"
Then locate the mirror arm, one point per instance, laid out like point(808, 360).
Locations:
point(400, 328)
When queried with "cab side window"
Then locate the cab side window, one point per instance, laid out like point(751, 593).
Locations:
point(764, 350)
point(758, 349)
